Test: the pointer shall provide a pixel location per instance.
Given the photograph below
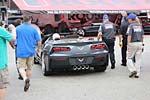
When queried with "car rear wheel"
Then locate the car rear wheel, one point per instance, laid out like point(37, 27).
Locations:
point(44, 70)
point(100, 68)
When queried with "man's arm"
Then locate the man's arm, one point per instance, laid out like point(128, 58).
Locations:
point(129, 33)
point(39, 41)
point(99, 36)
point(13, 31)
point(128, 42)
point(39, 47)
point(129, 39)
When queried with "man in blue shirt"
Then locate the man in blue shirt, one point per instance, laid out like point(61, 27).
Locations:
point(27, 40)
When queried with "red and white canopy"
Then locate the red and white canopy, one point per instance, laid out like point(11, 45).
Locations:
point(84, 5)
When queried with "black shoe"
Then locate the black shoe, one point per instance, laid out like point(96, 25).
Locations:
point(123, 64)
point(27, 85)
point(113, 66)
point(136, 76)
point(133, 74)
point(20, 78)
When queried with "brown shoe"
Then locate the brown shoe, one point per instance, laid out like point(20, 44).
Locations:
point(27, 85)
point(132, 74)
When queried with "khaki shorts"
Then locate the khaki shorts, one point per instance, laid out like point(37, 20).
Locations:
point(25, 63)
point(4, 78)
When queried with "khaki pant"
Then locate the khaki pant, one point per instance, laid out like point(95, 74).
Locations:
point(135, 50)
point(25, 63)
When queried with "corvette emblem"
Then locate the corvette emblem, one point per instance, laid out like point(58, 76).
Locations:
point(80, 48)
point(80, 59)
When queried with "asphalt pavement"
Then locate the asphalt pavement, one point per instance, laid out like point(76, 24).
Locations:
point(110, 85)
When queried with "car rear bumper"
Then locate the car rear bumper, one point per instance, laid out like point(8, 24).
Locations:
point(57, 62)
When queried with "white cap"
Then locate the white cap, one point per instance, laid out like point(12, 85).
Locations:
point(56, 36)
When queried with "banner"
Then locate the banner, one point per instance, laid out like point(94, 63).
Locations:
point(84, 5)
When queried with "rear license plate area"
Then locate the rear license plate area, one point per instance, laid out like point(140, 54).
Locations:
point(80, 60)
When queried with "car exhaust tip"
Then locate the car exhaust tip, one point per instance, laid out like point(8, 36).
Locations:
point(75, 67)
point(83, 67)
point(87, 67)
point(79, 67)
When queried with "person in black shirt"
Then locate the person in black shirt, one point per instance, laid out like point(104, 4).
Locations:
point(123, 37)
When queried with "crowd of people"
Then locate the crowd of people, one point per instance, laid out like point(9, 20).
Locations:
point(130, 41)
point(25, 39)
point(29, 40)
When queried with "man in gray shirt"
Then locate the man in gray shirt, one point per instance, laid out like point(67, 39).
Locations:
point(135, 38)
point(107, 33)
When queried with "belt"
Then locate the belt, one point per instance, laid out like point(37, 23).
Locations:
point(137, 41)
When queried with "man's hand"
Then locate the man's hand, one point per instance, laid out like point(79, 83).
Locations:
point(38, 51)
point(12, 45)
point(99, 36)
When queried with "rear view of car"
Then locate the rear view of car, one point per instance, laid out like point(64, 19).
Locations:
point(74, 55)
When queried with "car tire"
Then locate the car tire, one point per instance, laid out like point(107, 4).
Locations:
point(44, 70)
point(81, 32)
point(100, 68)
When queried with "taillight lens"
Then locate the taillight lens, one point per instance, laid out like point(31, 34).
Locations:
point(58, 49)
point(93, 47)
point(99, 46)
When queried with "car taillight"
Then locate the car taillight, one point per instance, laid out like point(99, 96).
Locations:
point(99, 46)
point(58, 49)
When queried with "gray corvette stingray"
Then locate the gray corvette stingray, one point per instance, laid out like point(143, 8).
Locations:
point(74, 54)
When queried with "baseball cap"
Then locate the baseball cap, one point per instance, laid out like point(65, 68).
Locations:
point(131, 16)
point(105, 16)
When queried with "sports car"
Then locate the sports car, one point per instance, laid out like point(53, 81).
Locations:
point(90, 30)
point(74, 54)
